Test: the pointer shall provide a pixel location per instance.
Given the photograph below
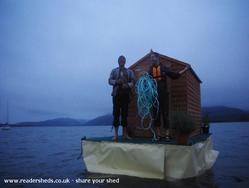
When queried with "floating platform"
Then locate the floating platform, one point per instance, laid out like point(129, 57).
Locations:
point(143, 158)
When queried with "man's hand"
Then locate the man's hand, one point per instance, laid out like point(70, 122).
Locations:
point(184, 70)
point(125, 86)
point(119, 82)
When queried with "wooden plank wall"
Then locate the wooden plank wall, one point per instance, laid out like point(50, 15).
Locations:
point(178, 91)
point(194, 100)
point(184, 96)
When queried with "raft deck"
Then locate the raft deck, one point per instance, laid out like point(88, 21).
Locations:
point(193, 140)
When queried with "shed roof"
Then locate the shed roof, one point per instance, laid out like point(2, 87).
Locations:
point(170, 59)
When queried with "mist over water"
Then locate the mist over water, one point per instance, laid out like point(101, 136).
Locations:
point(56, 56)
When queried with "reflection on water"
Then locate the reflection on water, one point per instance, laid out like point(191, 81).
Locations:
point(51, 152)
point(205, 180)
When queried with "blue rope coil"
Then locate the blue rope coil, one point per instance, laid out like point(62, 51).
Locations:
point(147, 101)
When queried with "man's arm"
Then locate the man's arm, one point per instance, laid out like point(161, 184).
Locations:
point(176, 75)
point(112, 80)
point(131, 79)
point(171, 74)
point(184, 70)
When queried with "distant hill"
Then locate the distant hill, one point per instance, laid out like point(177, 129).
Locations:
point(216, 114)
point(225, 114)
point(54, 122)
point(101, 120)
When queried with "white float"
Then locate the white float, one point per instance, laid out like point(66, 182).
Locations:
point(149, 160)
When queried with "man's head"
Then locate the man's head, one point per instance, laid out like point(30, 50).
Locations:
point(154, 57)
point(121, 61)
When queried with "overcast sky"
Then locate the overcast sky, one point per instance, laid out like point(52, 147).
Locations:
point(56, 55)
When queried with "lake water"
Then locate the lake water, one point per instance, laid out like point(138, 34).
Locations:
point(51, 152)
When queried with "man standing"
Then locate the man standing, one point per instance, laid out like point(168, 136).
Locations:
point(122, 80)
point(160, 73)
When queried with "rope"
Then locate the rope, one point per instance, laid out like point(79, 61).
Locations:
point(147, 100)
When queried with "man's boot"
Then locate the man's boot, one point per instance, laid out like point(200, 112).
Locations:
point(115, 138)
point(125, 134)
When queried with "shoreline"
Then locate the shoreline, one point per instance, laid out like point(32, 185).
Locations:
point(14, 125)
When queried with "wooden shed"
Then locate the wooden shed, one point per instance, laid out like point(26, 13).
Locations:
point(184, 93)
